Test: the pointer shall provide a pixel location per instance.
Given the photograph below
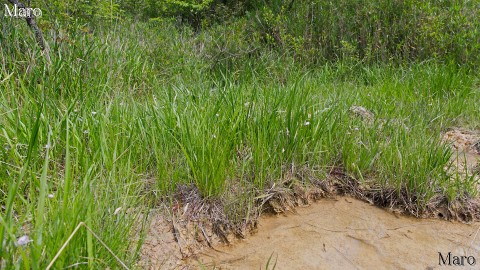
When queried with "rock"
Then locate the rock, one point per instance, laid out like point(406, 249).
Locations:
point(363, 113)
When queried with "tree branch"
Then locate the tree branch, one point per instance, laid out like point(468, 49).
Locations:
point(36, 30)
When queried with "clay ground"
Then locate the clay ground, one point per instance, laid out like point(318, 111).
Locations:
point(346, 234)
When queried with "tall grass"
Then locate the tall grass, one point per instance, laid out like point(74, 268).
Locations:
point(127, 113)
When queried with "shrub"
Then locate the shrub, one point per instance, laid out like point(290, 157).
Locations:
point(374, 31)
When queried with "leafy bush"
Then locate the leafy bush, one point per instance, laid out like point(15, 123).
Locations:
point(374, 31)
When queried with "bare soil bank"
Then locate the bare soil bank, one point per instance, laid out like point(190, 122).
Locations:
point(346, 234)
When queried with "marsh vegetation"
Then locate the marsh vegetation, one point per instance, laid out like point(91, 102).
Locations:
point(229, 98)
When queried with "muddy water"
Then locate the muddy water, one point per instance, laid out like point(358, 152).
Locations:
point(347, 234)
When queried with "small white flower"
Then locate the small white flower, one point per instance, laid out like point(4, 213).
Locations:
point(306, 123)
point(214, 136)
point(50, 196)
point(217, 115)
point(94, 113)
point(23, 241)
point(356, 128)
point(283, 150)
point(85, 132)
point(117, 210)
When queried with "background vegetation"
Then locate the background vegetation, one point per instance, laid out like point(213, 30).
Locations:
point(144, 96)
point(312, 31)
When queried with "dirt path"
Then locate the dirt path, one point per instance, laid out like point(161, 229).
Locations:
point(347, 234)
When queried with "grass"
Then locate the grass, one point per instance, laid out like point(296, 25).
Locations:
point(126, 114)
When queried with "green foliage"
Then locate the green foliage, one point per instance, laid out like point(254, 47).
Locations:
point(196, 13)
point(313, 32)
point(374, 31)
point(84, 10)
point(128, 110)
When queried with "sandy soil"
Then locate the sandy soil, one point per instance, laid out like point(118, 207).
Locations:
point(346, 234)
point(466, 146)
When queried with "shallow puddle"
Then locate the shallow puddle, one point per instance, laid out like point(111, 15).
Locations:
point(347, 234)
